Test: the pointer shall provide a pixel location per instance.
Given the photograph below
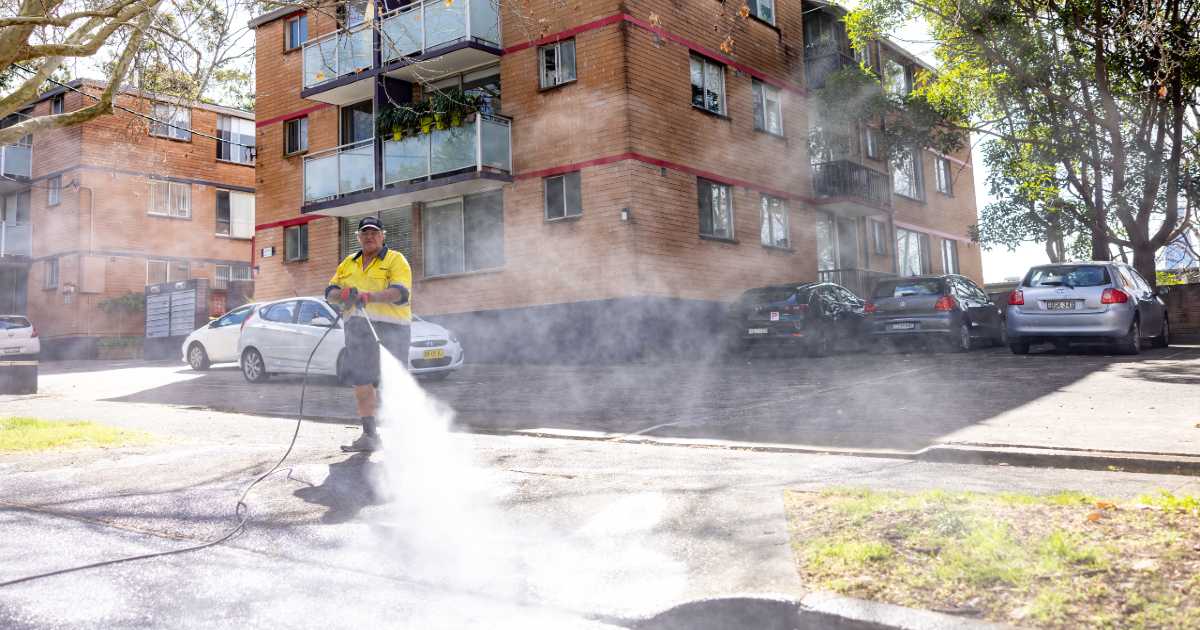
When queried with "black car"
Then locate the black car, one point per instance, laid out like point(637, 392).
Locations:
point(819, 316)
point(949, 308)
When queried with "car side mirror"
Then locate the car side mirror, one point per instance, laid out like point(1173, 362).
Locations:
point(321, 321)
point(1162, 291)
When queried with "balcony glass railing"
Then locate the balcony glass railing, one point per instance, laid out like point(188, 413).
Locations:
point(484, 143)
point(425, 26)
point(16, 239)
point(336, 55)
point(843, 178)
point(15, 160)
point(339, 171)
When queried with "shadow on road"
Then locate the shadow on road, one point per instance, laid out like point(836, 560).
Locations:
point(347, 490)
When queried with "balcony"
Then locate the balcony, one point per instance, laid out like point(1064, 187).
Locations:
point(820, 62)
point(446, 37)
point(339, 171)
point(16, 161)
point(861, 281)
point(334, 66)
point(16, 239)
point(850, 189)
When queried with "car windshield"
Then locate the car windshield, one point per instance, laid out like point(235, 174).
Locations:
point(8, 322)
point(1068, 276)
point(907, 288)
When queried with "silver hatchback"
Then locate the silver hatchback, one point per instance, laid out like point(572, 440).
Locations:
point(1106, 302)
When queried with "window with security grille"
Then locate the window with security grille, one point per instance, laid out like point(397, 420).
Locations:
point(171, 199)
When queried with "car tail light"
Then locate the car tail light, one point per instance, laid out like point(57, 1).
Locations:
point(945, 303)
point(1113, 296)
point(871, 308)
point(1016, 298)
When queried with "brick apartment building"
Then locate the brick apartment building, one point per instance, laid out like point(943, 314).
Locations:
point(100, 210)
point(625, 177)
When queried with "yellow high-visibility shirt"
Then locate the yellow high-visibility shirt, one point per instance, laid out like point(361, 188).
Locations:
point(389, 269)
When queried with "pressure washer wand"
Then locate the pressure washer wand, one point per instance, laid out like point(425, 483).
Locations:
point(370, 324)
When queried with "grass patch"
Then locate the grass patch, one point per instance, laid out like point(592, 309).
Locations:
point(32, 434)
point(1066, 560)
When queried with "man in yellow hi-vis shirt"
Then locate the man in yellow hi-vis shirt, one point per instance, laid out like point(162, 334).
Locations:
point(377, 280)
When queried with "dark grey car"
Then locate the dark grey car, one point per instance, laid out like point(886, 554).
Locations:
point(950, 308)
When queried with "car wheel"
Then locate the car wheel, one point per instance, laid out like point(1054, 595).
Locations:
point(1164, 336)
point(253, 366)
point(197, 357)
point(1018, 346)
point(962, 341)
point(822, 346)
point(1131, 343)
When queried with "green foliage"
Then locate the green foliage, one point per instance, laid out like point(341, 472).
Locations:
point(449, 106)
point(34, 434)
point(119, 342)
point(129, 302)
point(1166, 278)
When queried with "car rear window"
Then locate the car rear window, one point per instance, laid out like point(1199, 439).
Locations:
point(907, 288)
point(1068, 276)
point(776, 295)
point(13, 321)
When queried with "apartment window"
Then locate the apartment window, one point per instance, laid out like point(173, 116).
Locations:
point(235, 214)
point(716, 210)
point(295, 242)
point(159, 271)
point(50, 277)
point(774, 222)
point(862, 55)
point(563, 196)
point(295, 32)
point(941, 169)
point(463, 235)
point(57, 104)
point(223, 274)
point(351, 13)
point(54, 190)
point(768, 108)
point(879, 237)
point(171, 121)
point(763, 10)
point(897, 79)
point(171, 199)
point(295, 136)
point(558, 63)
point(949, 256)
point(236, 142)
point(708, 85)
point(871, 142)
point(906, 174)
point(912, 253)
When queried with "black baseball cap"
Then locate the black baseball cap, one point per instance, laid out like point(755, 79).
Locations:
point(370, 223)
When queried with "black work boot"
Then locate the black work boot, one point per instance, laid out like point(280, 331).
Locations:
point(368, 441)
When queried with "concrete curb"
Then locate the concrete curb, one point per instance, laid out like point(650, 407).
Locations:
point(860, 612)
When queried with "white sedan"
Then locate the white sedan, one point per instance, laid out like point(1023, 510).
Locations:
point(217, 341)
point(279, 337)
point(18, 337)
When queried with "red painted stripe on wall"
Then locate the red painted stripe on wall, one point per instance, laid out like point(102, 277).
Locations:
point(571, 32)
point(292, 115)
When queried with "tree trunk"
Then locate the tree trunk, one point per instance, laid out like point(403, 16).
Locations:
point(1143, 261)
point(1100, 245)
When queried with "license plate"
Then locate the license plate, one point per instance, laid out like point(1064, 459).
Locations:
point(434, 354)
point(774, 316)
point(757, 331)
point(1060, 305)
point(902, 326)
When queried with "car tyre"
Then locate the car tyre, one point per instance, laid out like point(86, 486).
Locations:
point(1018, 346)
point(197, 357)
point(254, 369)
point(1164, 336)
point(962, 340)
point(1131, 343)
point(823, 345)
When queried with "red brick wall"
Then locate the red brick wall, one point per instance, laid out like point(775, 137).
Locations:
point(1183, 309)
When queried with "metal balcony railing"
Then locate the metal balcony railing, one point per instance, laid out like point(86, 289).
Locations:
point(337, 54)
point(818, 67)
point(339, 171)
point(861, 281)
point(485, 143)
point(843, 178)
point(16, 160)
point(16, 239)
point(425, 26)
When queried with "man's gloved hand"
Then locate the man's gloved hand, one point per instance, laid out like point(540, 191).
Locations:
point(352, 297)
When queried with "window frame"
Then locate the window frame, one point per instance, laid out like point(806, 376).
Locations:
point(464, 253)
point(879, 238)
point(707, 186)
point(871, 143)
point(54, 191)
point(558, 66)
point(50, 274)
point(889, 65)
point(917, 189)
point(755, 7)
point(759, 91)
point(172, 187)
point(922, 250)
point(302, 135)
point(943, 181)
point(230, 222)
point(171, 128)
point(950, 264)
point(289, 44)
point(236, 148)
point(168, 266)
point(566, 213)
point(769, 205)
point(58, 104)
point(705, 62)
point(301, 231)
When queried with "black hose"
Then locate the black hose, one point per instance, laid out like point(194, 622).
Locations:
point(241, 510)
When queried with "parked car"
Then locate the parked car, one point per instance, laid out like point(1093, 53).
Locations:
point(216, 341)
point(819, 316)
point(279, 336)
point(18, 337)
point(1105, 302)
point(950, 308)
